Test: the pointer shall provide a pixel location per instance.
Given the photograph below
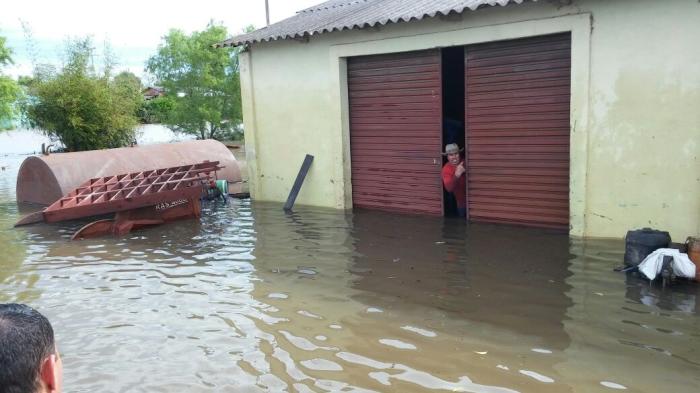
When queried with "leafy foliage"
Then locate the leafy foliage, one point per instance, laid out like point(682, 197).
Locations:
point(201, 82)
point(156, 110)
point(83, 108)
point(9, 89)
point(130, 83)
point(5, 52)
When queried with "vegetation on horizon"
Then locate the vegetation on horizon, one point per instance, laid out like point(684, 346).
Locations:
point(9, 89)
point(87, 108)
point(81, 106)
point(201, 82)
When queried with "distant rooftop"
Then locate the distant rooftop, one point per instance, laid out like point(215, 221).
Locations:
point(337, 15)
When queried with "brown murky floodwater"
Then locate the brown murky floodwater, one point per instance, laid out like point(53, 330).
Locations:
point(251, 299)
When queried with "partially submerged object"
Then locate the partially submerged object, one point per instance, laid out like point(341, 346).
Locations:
point(44, 179)
point(639, 243)
point(652, 253)
point(693, 246)
point(308, 160)
point(139, 199)
point(667, 261)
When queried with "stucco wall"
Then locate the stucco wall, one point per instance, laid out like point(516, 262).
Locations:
point(644, 127)
point(634, 112)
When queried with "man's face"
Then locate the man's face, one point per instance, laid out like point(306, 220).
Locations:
point(453, 158)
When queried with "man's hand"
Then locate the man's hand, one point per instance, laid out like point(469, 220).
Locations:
point(459, 171)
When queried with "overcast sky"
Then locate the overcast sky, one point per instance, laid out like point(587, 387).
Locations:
point(133, 27)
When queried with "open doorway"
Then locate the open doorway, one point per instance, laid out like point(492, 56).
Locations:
point(452, 112)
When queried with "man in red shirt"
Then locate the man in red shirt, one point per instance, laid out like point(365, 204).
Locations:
point(453, 177)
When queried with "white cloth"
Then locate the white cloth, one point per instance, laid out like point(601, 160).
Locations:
point(682, 265)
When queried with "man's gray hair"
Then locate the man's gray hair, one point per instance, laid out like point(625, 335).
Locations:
point(26, 339)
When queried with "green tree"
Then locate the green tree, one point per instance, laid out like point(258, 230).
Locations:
point(156, 110)
point(201, 82)
point(127, 80)
point(82, 107)
point(9, 89)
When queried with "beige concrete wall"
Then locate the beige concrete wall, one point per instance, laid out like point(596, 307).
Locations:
point(644, 126)
point(634, 106)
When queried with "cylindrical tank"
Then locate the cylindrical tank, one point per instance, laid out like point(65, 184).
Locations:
point(45, 179)
point(642, 242)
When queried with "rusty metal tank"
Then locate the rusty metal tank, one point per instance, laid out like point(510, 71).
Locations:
point(45, 179)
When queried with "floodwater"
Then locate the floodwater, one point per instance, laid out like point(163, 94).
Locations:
point(251, 299)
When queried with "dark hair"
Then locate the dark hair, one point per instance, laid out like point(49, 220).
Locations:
point(26, 339)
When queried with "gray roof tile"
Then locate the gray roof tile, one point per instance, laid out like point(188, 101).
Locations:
point(336, 15)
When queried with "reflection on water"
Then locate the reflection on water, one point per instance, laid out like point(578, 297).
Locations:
point(253, 299)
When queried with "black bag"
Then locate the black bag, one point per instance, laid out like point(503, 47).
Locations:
point(642, 242)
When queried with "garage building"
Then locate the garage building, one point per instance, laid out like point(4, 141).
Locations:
point(574, 114)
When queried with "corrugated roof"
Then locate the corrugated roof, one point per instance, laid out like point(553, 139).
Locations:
point(336, 15)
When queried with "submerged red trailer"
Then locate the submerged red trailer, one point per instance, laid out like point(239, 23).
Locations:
point(46, 178)
point(139, 199)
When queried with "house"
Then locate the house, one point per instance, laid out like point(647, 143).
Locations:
point(576, 114)
point(152, 92)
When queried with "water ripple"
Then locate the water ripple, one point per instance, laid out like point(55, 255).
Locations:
point(250, 298)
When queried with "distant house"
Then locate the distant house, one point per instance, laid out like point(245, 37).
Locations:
point(152, 92)
point(575, 114)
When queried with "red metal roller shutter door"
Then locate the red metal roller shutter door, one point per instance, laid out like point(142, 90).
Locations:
point(517, 131)
point(395, 131)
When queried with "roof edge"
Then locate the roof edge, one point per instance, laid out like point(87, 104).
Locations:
point(256, 36)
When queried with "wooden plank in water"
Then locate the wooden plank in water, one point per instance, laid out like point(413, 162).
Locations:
point(298, 182)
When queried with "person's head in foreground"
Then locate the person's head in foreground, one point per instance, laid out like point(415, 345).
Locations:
point(29, 360)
